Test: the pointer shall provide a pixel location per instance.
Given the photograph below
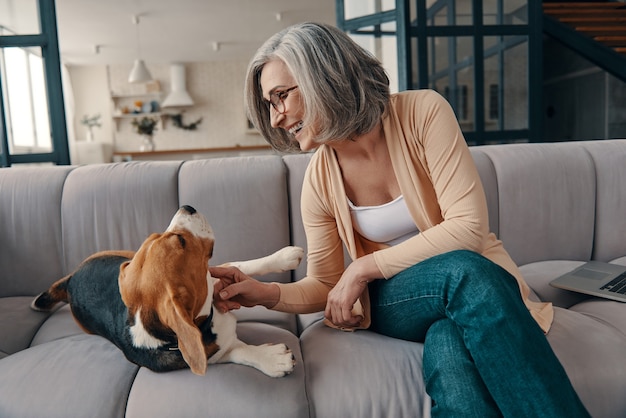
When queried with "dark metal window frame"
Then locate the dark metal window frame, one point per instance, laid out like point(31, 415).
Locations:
point(48, 41)
point(422, 33)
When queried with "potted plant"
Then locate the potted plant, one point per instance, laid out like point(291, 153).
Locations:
point(90, 122)
point(146, 127)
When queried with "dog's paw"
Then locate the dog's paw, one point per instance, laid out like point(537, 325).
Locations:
point(288, 258)
point(276, 360)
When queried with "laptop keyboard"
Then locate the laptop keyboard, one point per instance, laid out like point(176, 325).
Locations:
point(617, 285)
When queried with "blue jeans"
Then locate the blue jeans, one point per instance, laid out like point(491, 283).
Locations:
point(484, 354)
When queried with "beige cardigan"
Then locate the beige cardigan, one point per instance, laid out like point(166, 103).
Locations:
point(441, 186)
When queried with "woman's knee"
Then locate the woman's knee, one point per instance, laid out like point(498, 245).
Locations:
point(473, 279)
point(463, 260)
point(470, 265)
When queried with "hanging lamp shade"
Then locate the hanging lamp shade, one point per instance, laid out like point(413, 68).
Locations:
point(139, 73)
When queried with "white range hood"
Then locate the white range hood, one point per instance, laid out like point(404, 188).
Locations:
point(178, 95)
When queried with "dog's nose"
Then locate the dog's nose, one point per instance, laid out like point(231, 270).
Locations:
point(189, 209)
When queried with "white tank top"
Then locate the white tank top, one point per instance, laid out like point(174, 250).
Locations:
point(389, 223)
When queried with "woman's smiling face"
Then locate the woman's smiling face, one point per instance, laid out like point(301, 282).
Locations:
point(275, 81)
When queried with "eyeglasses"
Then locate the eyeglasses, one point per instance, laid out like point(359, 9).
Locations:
point(277, 99)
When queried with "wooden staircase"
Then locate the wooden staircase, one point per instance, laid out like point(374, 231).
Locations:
point(603, 21)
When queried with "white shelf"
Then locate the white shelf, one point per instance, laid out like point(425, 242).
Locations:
point(127, 100)
point(135, 96)
point(137, 115)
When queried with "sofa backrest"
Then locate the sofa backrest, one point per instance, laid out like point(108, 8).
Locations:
point(487, 173)
point(245, 201)
point(546, 200)
point(31, 250)
point(51, 218)
point(609, 159)
point(116, 206)
point(550, 201)
point(296, 166)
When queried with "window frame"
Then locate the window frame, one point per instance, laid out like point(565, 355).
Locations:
point(47, 40)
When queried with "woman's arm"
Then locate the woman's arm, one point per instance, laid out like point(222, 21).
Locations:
point(325, 257)
point(341, 299)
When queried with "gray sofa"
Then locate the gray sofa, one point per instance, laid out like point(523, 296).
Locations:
point(553, 205)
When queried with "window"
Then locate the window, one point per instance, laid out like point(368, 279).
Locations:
point(494, 101)
point(484, 57)
point(25, 101)
point(32, 112)
point(458, 100)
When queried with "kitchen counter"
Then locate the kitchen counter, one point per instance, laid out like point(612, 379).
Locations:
point(192, 154)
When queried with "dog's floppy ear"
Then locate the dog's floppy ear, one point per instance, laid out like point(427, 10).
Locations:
point(128, 283)
point(189, 336)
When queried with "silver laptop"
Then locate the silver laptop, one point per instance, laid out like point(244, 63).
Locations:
point(595, 278)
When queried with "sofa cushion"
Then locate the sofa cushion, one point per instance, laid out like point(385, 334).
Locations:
point(59, 325)
point(610, 164)
point(488, 178)
point(592, 353)
point(619, 260)
point(18, 324)
point(547, 200)
point(282, 320)
point(539, 275)
point(296, 167)
point(245, 201)
point(608, 312)
point(226, 390)
point(30, 220)
point(116, 206)
point(79, 376)
point(362, 374)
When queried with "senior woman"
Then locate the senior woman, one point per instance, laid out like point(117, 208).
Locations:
point(392, 179)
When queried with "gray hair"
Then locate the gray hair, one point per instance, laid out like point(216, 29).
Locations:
point(345, 89)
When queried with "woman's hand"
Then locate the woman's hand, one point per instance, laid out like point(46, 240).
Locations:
point(343, 296)
point(234, 289)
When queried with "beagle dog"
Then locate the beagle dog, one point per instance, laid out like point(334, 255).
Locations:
point(156, 304)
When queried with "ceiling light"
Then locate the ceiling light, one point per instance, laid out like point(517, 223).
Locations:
point(139, 73)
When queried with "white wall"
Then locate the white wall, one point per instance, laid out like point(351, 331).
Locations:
point(216, 88)
point(91, 96)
